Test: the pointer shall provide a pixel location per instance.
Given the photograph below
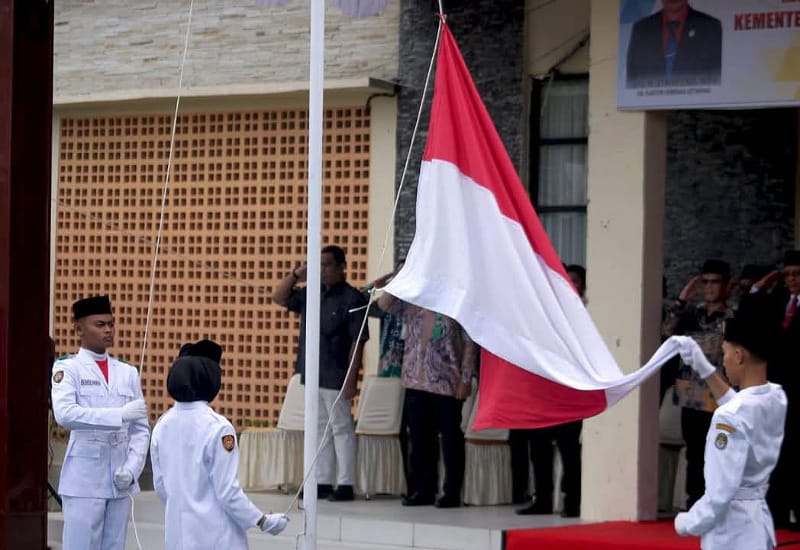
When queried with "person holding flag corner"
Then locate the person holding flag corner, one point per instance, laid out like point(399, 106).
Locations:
point(743, 442)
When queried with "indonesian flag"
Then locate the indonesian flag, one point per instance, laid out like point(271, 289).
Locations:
point(481, 256)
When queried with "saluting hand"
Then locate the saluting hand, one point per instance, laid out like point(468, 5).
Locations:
point(689, 291)
point(301, 272)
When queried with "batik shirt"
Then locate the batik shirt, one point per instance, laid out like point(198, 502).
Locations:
point(438, 352)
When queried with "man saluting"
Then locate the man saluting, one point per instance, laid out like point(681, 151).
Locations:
point(99, 399)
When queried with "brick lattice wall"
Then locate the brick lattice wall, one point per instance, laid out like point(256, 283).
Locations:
point(235, 225)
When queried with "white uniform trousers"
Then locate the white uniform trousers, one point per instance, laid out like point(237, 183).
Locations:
point(95, 523)
point(339, 450)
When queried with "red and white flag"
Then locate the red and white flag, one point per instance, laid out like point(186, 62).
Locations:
point(481, 256)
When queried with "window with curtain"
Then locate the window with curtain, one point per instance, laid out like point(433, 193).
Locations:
point(559, 144)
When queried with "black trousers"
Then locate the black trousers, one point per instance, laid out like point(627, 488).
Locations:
point(540, 441)
point(694, 425)
point(428, 415)
point(519, 442)
point(783, 496)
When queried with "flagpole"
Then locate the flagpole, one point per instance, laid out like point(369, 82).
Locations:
point(313, 289)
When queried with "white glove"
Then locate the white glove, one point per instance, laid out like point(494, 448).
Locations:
point(692, 355)
point(274, 523)
point(134, 410)
point(123, 479)
point(680, 524)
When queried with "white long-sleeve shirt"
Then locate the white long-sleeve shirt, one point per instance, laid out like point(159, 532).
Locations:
point(742, 448)
point(100, 441)
point(195, 472)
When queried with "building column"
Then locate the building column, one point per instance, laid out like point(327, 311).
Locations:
point(625, 225)
point(26, 75)
point(383, 127)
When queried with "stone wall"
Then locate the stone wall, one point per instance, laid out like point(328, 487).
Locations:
point(730, 189)
point(119, 46)
point(490, 36)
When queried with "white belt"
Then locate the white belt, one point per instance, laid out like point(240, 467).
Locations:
point(751, 493)
point(111, 438)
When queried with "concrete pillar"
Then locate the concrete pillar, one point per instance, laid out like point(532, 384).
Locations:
point(383, 121)
point(625, 223)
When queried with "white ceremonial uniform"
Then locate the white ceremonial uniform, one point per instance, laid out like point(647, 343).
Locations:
point(742, 448)
point(195, 472)
point(95, 511)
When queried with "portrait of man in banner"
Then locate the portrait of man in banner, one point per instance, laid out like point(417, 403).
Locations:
point(676, 46)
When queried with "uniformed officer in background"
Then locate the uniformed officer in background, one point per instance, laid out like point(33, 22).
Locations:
point(196, 461)
point(743, 442)
point(99, 398)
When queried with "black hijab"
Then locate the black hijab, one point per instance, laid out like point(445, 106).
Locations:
point(196, 374)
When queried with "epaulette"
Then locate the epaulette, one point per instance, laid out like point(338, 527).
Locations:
point(66, 356)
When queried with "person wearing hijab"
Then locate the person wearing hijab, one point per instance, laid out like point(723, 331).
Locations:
point(743, 442)
point(196, 461)
point(99, 399)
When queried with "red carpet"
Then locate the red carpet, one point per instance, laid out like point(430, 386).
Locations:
point(616, 535)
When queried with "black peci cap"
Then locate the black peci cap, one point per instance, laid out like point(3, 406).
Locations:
point(94, 305)
point(717, 267)
point(791, 257)
point(753, 329)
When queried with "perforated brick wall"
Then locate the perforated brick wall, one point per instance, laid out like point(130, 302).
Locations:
point(234, 225)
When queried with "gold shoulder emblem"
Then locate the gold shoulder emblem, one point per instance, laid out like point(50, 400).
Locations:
point(228, 442)
point(58, 376)
point(726, 428)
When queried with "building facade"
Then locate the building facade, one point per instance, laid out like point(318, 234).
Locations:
point(639, 197)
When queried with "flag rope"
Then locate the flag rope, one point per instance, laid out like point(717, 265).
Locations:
point(373, 290)
point(166, 189)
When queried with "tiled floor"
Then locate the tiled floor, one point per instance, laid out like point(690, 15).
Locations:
point(379, 524)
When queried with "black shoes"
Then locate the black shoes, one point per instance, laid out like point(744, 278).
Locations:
point(342, 493)
point(417, 499)
point(570, 512)
point(323, 491)
point(545, 508)
point(446, 501)
point(535, 509)
point(520, 499)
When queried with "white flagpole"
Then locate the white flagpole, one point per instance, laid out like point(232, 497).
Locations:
point(310, 443)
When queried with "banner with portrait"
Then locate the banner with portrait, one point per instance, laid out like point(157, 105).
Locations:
point(679, 54)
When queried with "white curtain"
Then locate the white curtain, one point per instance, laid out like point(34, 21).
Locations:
point(563, 166)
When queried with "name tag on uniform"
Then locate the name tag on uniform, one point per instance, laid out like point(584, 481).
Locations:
point(90, 382)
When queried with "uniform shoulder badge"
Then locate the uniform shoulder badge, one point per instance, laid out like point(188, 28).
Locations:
point(66, 356)
point(726, 428)
point(228, 442)
point(721, 441)
point(58, 376)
